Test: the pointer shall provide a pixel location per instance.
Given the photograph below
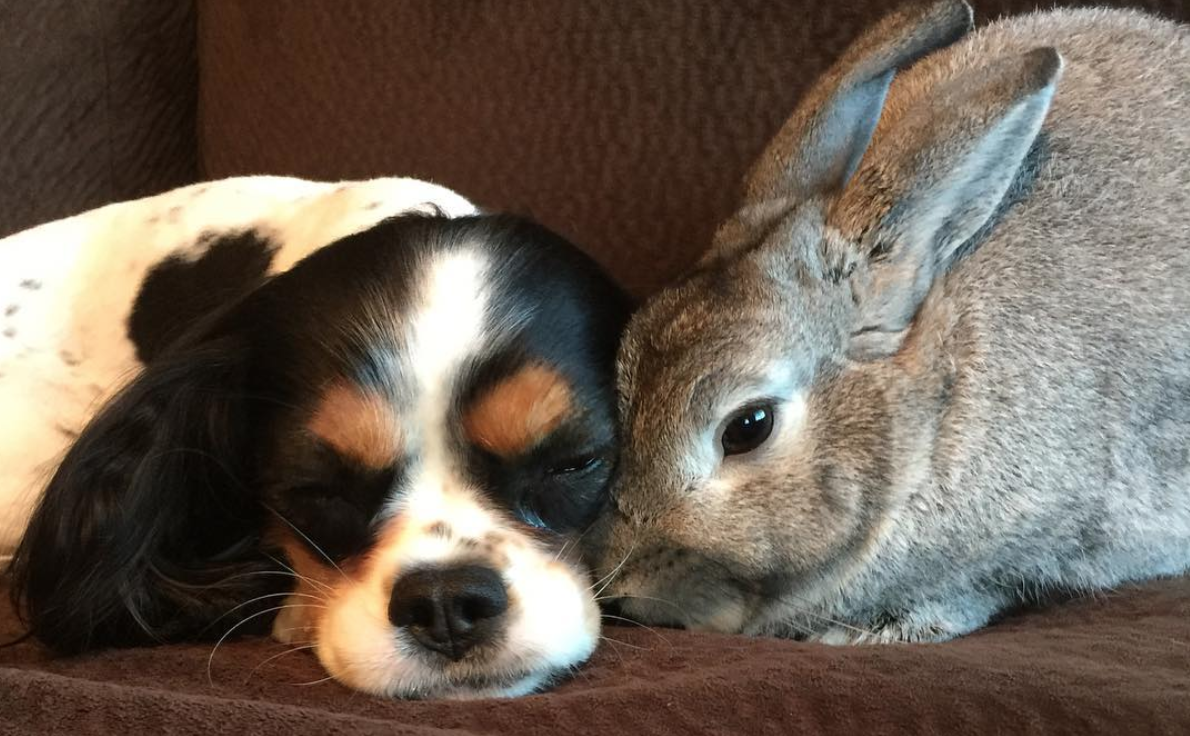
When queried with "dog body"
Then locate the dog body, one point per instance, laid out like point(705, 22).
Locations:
point(378, 417)
point(68, 290)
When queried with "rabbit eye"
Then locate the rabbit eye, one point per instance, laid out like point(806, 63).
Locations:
point(748, 429)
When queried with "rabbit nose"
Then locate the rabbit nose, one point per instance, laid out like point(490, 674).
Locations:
point(449, 610)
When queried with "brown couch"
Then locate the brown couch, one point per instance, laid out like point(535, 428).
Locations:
point(625, 124)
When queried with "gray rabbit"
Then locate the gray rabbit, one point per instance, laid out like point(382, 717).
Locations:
point(938, 362)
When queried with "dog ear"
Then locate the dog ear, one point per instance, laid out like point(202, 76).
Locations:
point(147, 531)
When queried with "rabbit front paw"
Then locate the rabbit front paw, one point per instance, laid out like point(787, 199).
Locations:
point(932, 623)
point(894, 632)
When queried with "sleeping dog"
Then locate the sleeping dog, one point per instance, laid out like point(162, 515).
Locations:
point(364, 412)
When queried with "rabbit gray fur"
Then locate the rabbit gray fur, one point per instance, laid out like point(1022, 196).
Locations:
point(960, 279)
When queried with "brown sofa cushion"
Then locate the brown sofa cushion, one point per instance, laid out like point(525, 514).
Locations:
point(625, 125)
point(97, 104)
point(1112, 664)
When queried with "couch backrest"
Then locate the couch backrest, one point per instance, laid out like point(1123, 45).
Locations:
point(97, 104)
point(625, 124)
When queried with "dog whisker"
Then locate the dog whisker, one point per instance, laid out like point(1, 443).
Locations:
point(305, 578)
point(312, 682)
point(612, 641)
point(575, 540)
point(615, 645)
point(258, 614)
point(669, 603)
point(266, 597)
point(575, 670)
point(646, 627)
point(607, 579)
point(309, 541)
point(277, 656)
point(562, 549)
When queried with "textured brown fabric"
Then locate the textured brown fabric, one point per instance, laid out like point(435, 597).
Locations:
point(1118, 664)
point(97, 104)
point(626, 124)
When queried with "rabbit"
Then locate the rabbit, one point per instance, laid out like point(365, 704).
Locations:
point(937, 364)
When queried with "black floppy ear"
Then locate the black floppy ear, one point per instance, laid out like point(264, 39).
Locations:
point(147, 531)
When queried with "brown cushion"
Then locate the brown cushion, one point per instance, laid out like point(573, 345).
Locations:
point(1114, 664)
point(625, 125)
point(97, 104)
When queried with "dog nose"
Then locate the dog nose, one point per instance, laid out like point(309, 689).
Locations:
point(449, 609)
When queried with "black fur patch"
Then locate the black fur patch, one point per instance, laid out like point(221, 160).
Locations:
point(178, 292)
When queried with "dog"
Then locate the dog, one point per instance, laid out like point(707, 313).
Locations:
point(364, 411)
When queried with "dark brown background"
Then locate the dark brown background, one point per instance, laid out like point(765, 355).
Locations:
point(626, 124)
point(97, 104)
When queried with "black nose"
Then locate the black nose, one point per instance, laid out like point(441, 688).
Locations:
point(449, 609)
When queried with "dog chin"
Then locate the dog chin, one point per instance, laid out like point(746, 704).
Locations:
point(497, 687)
point(430, 682)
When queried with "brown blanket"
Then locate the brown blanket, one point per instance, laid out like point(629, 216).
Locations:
point(1113, 664)
point(624, 125)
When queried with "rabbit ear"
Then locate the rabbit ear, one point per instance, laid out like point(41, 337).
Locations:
point(931, 183)
point(819, 147)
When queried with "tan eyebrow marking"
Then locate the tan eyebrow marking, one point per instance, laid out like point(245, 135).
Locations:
point(519, 411)
point(358, 424)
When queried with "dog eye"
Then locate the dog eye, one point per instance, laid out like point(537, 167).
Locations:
point(747, 429)
point(578, 464)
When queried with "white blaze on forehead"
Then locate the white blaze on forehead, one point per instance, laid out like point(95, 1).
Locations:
point(447, 325)
point(446, 329)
